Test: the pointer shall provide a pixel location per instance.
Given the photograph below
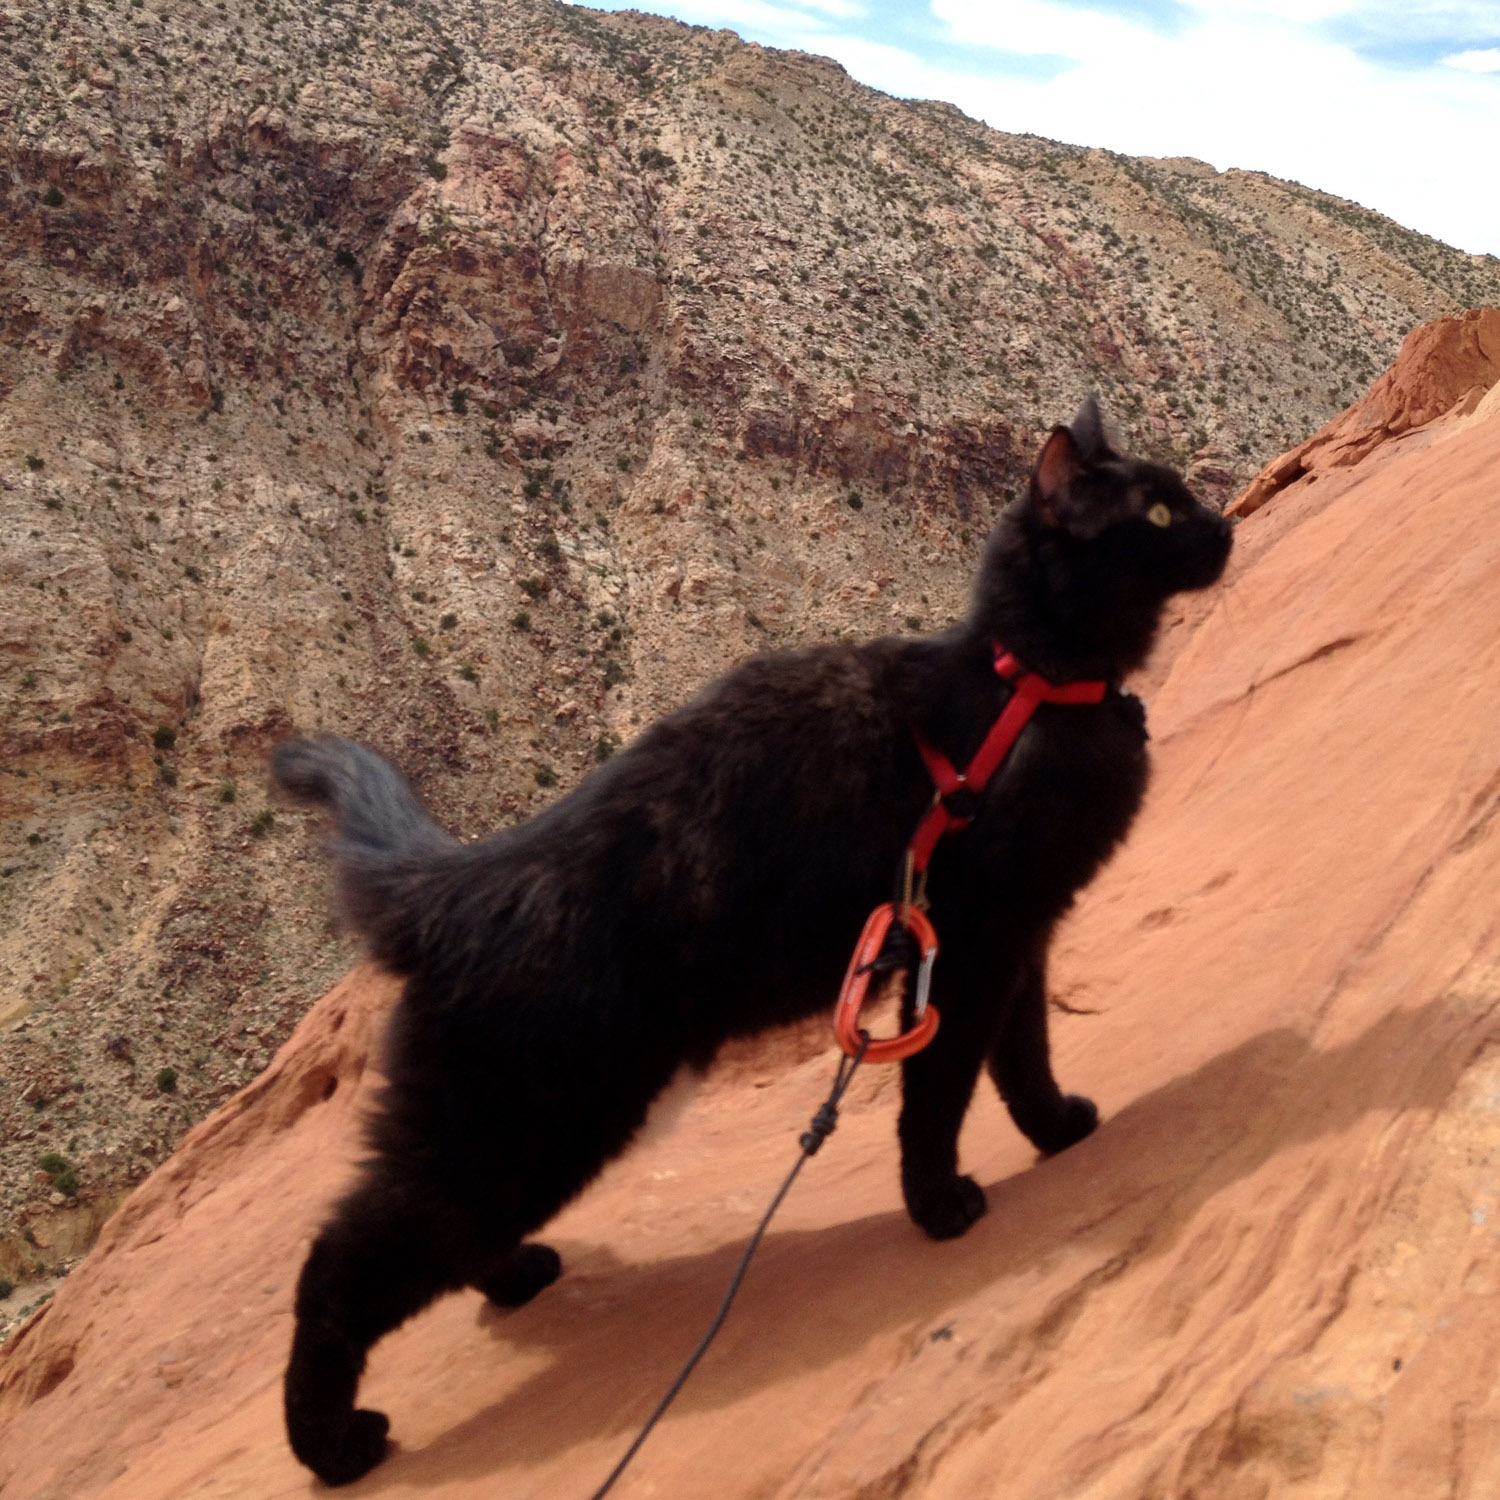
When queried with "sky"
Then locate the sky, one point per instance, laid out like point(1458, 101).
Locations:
point(1392, 103)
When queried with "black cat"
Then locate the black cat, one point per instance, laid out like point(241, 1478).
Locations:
point(709, 882)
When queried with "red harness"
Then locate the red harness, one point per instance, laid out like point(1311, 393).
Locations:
point(954, 806)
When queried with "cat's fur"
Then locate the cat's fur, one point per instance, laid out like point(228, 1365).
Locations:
point(709, 882)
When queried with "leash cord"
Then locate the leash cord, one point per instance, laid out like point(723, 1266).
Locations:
point(821, 1127)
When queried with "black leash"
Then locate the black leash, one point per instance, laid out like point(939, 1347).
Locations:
point(818, 1131)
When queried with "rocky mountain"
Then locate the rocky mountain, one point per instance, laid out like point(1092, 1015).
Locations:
point(477, 379)
point(1271, 1272)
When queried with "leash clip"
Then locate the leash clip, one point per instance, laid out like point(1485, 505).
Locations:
point(865, 962)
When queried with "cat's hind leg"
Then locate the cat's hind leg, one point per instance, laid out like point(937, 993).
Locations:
point(1020, 1063)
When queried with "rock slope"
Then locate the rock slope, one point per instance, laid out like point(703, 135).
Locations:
point(1446, 368)
point(1271, 1273)
point(478, 379)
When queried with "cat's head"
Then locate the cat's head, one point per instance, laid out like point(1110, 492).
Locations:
point(1080, 565)
point(1131, 518)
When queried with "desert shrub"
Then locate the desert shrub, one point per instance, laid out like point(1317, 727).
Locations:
point(63, 1173)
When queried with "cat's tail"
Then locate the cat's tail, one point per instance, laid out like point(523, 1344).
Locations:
point(385, 844)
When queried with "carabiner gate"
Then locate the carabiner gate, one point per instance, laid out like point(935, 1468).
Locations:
point(856, 985)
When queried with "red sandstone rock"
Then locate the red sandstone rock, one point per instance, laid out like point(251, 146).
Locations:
point(1444, 368)
point(1272, 1273)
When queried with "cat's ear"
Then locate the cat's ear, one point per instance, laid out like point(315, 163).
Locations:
point(1089, 436)
point(1057, 472)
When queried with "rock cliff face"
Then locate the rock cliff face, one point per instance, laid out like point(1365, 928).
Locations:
point(1271, 1273)
point(1446, 368)
point(477, 380)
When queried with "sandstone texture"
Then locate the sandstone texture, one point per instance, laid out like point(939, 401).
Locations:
point(1445, 368)
point(478, 380)
point(1271, 1273)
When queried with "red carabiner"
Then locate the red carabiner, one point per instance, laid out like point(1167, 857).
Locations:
point(857, 982)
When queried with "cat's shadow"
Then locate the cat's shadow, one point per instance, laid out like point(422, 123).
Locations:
point(815, 1296)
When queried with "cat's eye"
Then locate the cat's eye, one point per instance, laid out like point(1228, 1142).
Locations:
point(1159, 515)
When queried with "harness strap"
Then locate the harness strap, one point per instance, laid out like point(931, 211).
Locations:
point(954, 806)
point(957, 799)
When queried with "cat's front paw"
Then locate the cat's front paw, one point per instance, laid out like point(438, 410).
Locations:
point(945, 1209)
point(361, 1447)
point(1077, 1118)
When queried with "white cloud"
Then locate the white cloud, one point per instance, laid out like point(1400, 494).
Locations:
point(1424, 20)
point(1478, 60)
point(844, 9)
point(1306, 12)
point(1250, 86)
point(1036, 28)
